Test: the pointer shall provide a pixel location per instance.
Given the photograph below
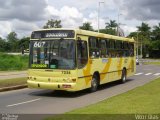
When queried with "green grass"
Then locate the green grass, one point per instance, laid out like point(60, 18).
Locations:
point(152, 63)
point(141, 100)
point(12, 82)
point(13, 62)
point(144, 100)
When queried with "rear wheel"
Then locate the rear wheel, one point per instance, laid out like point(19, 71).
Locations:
point(94, 84)
point(123, 78)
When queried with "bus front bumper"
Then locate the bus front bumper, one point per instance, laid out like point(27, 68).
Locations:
point(52, 86)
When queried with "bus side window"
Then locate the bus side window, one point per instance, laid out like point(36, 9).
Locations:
point(126, 49)
point(118, 48)
point(82, 53)
point(131, 49)
point(112, 48)
point(103, 48)
point(93, 47)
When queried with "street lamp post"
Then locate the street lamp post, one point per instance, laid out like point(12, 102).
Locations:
point(137, 43)
point(141, 46)
point(99, 13)
point(118, 24)
point(141, 49)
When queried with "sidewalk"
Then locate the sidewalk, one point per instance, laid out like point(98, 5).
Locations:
point(10, 75)
point(149, 60)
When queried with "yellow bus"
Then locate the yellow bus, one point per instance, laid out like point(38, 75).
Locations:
point(74, 59)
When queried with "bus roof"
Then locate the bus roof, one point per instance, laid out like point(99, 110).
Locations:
point(91, 33)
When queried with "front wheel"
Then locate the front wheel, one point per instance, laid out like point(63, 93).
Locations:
point(94, 84)
point(123, 78)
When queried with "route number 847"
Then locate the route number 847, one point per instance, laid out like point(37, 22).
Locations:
point(39, 44)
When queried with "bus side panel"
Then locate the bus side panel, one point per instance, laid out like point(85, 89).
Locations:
point(84, 74)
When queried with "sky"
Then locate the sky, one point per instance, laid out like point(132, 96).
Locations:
point(25, 16)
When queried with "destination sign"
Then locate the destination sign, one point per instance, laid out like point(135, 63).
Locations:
point(53, 34)
point(39, 66)
point(50, 35)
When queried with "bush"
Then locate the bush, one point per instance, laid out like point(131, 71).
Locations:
point(13, 62)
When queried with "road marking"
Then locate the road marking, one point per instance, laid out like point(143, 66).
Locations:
point(23, 102)
point(157, 74)
point(148, 74)
point(138, 74)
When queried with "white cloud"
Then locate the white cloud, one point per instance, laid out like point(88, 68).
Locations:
point(51, 11)
point(93, 15)
point(128, 29)
point(24, 16)
point(70, 12)
point(23, 26)
point(70, 16)
point(5, 28)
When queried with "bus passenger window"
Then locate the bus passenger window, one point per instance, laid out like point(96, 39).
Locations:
point(82, 53)
point(131, 49)
point(93, 47)
point(103, 48)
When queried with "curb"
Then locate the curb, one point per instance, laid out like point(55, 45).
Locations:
point(13, 87)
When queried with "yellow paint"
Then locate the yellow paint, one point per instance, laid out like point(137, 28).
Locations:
point(106, 68)
point(87, 72)
point(54, 78)
point(119, 67)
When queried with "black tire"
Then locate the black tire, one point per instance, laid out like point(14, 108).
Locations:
point(123, 77)
point(94, 84)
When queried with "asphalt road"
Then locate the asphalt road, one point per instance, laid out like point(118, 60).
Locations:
point(33, 101)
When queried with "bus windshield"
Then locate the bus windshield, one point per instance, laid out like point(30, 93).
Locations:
point(52, 54)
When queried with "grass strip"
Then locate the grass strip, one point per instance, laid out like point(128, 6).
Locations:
point(13, 62)
point(13, 82)
point(141, 100)
point(151, 63)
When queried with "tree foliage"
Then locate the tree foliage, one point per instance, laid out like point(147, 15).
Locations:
point(53, 24)
point(110, 28)
point(148, 37)
point(86, 26)
point(13, 44)
point(156, 32)
point(111, 24)
point(12, 37)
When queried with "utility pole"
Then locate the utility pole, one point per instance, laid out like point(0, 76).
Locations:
point(137, 43)
point(99, 3)
point(141, 49)
point(118, 24)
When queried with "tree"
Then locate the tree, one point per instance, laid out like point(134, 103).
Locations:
point(110, 31)
point(156, 32)
point(144, 28)
point(13, 41)
point(24, 42)
point(2, 44)
point(110, 28)
point(111, 24)
point(86, 26)
point(53, 24)
point(133, 34)
point(144, 37)
point(12, 37)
